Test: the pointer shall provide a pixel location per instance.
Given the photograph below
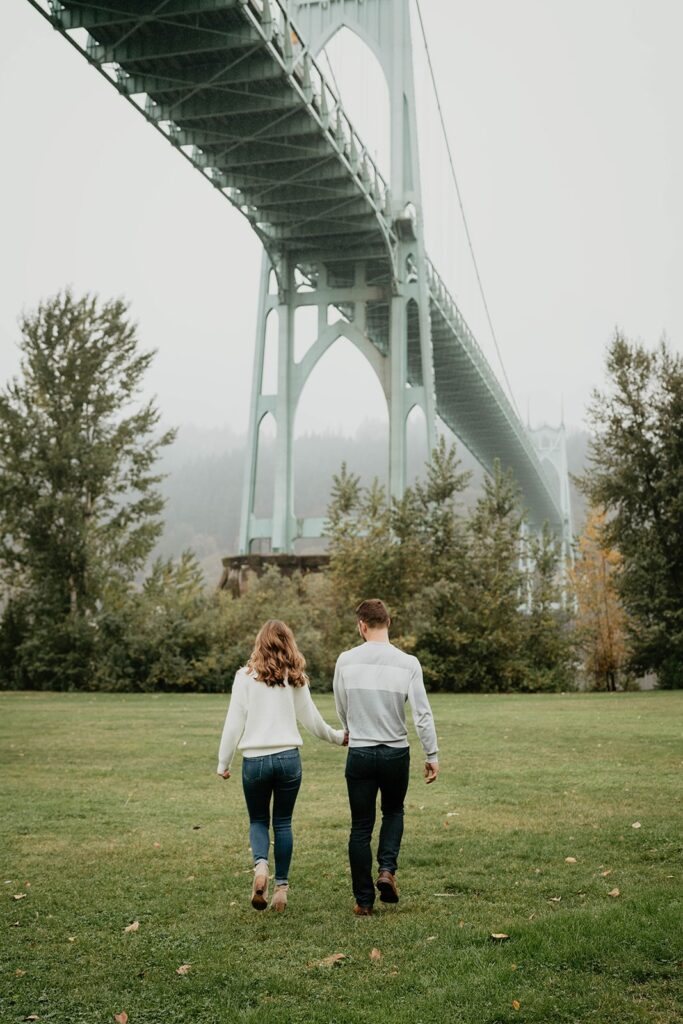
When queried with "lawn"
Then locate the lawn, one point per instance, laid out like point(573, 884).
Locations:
point(112, 814)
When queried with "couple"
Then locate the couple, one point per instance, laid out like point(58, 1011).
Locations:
point(372, 683)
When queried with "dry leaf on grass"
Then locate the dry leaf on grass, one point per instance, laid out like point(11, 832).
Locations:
point(19, 973)
point(614, 892)
point(20, 896)
point(183, 969)
point(121, 1018)
point(499, 936)
point(132, 927)
point(636, 824)
point(516, 1004)
point(157, 846)
point(32, 1016)
point(430, 938)
point(332, 960)
point(570, 860)
point(72, 938)
point(375, 954)
point(554, 899)
point(604, 874)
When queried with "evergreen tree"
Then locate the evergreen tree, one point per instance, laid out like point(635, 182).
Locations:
point(636, 475)
point(548, 640)
point(79, 504)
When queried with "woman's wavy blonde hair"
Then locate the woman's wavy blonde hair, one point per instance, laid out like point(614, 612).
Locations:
point(276, 660)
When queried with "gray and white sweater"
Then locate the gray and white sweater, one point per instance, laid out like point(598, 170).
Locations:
point(372, 684)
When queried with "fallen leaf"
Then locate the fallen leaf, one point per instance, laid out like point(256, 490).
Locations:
point(72, 938)
point(157, 846)
point(27, 885)
point(516, 1004)
point(461, 924)
point(233, 903)
point(614, 892)
point(453, 814)
point(20, 896)
point(531, 917)
point(19, 973)
point(513, 967)
point(446, 824)
point(132, 927)
point(636, 824)
point(195, 827)
point(32, 1016)
point(554, 899)
point(183, 969)
point(332, 959)
point(190, 878)
point(606, 873)
point(537, 871)
point(121, 1018)
point(499, 936)
point(570, 860)
point(430, 938)
point(375, 954)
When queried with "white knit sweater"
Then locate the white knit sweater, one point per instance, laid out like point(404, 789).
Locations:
point(262, 719)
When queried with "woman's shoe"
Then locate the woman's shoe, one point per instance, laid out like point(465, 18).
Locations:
point(279, 901)
point(259, 892)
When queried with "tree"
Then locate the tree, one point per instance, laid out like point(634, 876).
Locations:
point(79, 504)
point(471, 632)
point(601, 625)
point(635, 474)
point(548, 641)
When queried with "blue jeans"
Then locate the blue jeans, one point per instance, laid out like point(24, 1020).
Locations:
point(370, 770)
point(277, 776)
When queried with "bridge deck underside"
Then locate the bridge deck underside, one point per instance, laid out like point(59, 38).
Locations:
point(229, 84)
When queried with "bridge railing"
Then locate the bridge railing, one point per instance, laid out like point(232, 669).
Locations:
point(299, 62)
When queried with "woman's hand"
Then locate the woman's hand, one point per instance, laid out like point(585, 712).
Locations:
point(224, 775)
point(345, 741)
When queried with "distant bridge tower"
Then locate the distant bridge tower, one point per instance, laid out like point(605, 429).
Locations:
point(551, 446)
point(387, 317)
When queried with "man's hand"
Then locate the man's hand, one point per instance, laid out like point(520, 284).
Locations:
point(431, 771)
point(224, 775)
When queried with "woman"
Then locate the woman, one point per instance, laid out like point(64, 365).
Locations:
point(268, 697)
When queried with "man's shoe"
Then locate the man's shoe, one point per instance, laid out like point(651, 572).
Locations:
point(386, 883)
point(259, 892)
point(362, 911)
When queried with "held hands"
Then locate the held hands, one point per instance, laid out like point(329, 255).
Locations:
point(345, 741)
point(431, 771)
point(224, 775)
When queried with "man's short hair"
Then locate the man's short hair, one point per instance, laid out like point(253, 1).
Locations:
point(373, 613)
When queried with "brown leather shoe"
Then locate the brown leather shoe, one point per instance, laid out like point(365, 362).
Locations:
point(259, 892)
point(362, 911)
point(386, 883)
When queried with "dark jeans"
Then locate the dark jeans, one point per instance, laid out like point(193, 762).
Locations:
point(369, 770)
point(277, 776)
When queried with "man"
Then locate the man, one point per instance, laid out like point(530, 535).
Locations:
point(372, 683)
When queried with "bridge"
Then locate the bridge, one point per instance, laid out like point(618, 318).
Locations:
point(237, 89)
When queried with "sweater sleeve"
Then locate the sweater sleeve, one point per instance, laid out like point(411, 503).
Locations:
point(234, 724)
point(340, 695)
point(311, 719)
point(422, 713)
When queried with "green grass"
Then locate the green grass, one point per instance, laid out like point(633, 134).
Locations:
point(90, 784)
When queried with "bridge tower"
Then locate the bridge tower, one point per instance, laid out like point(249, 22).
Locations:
point(386, 318)
point(551, 446)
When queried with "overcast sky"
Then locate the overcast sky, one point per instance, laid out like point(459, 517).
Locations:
point(565, 123)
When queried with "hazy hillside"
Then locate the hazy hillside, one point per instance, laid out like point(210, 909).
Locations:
point(203, 487)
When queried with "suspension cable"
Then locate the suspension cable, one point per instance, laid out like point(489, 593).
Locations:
point(462, 208)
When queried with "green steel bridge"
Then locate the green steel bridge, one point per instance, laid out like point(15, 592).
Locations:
point(235, 87)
